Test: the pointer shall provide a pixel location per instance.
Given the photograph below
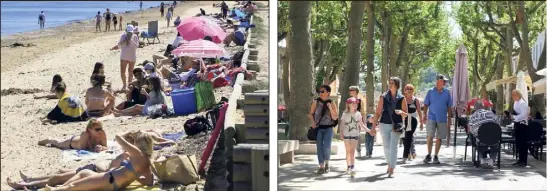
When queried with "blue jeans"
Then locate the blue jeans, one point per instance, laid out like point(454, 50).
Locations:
point(390, 141)
point(369, 143)
point(323, 142)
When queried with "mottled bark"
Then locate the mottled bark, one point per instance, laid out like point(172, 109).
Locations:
point(369, 79)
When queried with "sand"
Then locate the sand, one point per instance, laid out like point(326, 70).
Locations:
point(71, 51)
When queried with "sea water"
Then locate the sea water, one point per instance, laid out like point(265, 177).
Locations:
point(22, 16)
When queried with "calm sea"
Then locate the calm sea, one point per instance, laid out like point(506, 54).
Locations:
point(22, 16)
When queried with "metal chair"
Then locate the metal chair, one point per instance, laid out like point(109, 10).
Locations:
point(152, 32)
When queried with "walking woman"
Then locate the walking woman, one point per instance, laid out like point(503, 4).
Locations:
point(415, 111)
point(520, 119)
point(392, 108)
point(129, 43)
point(324, 116)
point(350, 126)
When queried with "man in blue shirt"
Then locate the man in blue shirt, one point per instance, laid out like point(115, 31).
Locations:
point(439, 103)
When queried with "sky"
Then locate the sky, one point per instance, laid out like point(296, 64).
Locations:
point(456, 31)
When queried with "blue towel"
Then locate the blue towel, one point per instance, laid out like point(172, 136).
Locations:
point(240, 38)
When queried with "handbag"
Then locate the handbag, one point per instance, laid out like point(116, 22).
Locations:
point(177, 169)
point(312, 132)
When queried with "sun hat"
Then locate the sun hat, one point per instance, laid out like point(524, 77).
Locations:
point(351, 100)
point(129, 28)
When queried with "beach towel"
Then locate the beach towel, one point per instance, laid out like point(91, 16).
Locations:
point(171, 136)
point(82, 155)
point(205, 96)
point(138, 186)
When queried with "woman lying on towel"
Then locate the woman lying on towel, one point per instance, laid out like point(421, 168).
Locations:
point(65, 174)
point(156, 136)
point(92, 139)
point(137, 167)
point(68, 109)
point(56, 79)
point(98, 100)
point(155, 97)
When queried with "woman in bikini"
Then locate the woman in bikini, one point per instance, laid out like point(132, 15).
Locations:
point(92, 139)
point(99, 102)
point(156, 136)
point(56, 79)
point(137, 167)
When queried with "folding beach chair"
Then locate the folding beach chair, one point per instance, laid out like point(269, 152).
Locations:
point(152, 32)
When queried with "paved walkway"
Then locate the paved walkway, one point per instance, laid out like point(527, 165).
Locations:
point(450, 175)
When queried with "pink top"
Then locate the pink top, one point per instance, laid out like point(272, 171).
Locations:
point(129, 51)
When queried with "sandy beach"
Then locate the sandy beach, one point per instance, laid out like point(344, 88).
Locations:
point(71, 51)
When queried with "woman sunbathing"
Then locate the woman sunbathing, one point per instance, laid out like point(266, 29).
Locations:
point(99, 101)
point(103, 166)
point(155, 97)
point(56, 79)
point(92, 139)
point(138, 167)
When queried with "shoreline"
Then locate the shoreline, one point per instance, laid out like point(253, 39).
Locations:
point(47, 40)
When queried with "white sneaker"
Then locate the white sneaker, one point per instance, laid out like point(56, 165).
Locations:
point(352, 172)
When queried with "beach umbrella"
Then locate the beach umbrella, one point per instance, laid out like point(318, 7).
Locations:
point(460, 86)
point(521, 86)
point(200, 49)
point(195, 28)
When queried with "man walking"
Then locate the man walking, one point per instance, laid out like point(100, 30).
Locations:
point(42, 20)
point(439, 103)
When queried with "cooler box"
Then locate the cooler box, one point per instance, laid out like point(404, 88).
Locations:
point(184, 101)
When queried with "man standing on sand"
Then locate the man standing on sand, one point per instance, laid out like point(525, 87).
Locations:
point(440, 116)
point(141, 5)
point(107, 18)
point(42, 20)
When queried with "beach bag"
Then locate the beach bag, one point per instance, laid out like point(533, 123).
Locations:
point(236, 59)
point(178, 169)
point(197, 125)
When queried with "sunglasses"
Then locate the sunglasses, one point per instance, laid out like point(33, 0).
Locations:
point(323, 91)
point(98, 129)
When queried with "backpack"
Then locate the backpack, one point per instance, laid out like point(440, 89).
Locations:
point(41, 17)
point(237, 59)
point(197, 125)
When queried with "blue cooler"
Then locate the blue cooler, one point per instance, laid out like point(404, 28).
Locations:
point(184, 101)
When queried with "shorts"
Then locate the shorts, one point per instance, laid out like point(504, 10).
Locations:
point(433, 127)
point(351, 137)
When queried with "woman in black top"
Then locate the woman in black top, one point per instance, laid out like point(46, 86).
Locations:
point(415, 113)
point(392, 108)
point(107, 18)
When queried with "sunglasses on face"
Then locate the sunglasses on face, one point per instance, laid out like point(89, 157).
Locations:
point(98, 129)
point(322, 91)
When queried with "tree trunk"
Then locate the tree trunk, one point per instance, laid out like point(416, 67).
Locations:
point(369, 79)
point(302, 81)
point(385, 53)
point(392, 56)
point(499, 89)
point(476, 80)
point(353, 55)
point(285, 61)
point(509, 52)
point(404, 38)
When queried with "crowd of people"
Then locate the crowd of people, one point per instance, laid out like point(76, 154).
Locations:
point(146, 89)
point(397, 116)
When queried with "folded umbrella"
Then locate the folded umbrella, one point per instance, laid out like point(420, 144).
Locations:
point(200, 49)
point(195, 28)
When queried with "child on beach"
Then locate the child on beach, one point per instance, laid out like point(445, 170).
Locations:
point(68, 109)
point(115, 20)
point(350, 124)
point(168, 17)
point(98, 19)
point(56, 79)
point(155, 97)
point(92, 139)
point(369, 139)
point(99, 69)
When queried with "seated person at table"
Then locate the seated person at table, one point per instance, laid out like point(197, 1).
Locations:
point(68, 109)
point(99, 101)
point(92, 139)
point(479, 117)
point(238, 37)
point(133, 95)
point(155, 97)
point(137, 167)
point(56, 79)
